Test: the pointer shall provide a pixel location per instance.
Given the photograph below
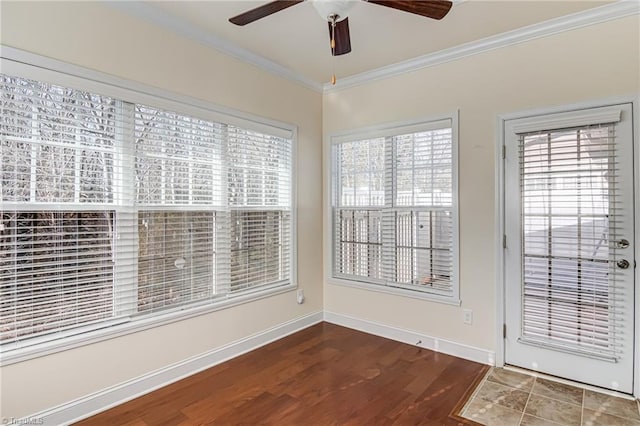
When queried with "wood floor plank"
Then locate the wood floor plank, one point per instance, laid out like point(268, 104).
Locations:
point(323, 375)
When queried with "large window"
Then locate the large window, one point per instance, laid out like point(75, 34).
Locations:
point(114, 210)
point(394, 208)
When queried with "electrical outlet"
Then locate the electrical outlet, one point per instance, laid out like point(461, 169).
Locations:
point(300, 296)
point(467, 316)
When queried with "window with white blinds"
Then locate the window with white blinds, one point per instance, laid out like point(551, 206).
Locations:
point(360, 174)
point(568, 180)
point(179, 194)
point(58, 161)
point(114, 210)
point(395, 210)
point(259, 195)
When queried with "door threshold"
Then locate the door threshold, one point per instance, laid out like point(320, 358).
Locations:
point(569, 382)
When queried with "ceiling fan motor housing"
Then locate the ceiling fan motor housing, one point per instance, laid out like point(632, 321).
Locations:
point(328, 8)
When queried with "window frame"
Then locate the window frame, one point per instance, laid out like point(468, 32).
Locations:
point(389, 130)
point(35, 67)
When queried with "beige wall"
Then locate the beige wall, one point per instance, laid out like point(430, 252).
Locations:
point(101, 38)
point(591, 63)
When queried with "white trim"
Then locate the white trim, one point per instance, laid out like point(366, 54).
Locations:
point(186, 29)
point(180, 313)
point(395, 129)
point(397, 291)
point(558, 25)
point(577, 106)
point(563, 120)
point(293, 232)
point(449, 347)
point(499, 235)
point(634, 100)
point(455, 204)
point(635, 129)
point(390, 130)
point(97, 402)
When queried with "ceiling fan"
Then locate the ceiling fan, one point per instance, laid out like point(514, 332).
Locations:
point(336, 11)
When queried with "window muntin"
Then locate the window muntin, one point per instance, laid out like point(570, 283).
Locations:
point(394, 213)
point(138, 197)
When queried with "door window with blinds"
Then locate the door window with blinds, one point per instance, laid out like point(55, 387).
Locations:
point(568, 191)
point(395, 208)
point(569, 255)
point(114, 210)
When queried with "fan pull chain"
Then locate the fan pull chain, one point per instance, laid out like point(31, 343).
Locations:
point(333, 49)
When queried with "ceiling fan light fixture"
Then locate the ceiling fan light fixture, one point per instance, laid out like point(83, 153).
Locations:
point(328, 8)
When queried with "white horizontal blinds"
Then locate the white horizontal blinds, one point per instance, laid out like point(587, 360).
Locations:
point(259, 170)
point(260, 248)
point(360, 201)
point(176, 258)
point(259, 185)
point(569, 185)
point(423, 249)
point(178, 159)
point(423, 210)
point(394, 210)
point(58, 144)
point(58, 167)
point(362, 173)
point(424, 169)
point(113, 210)
point(360, 244)
point(179, 178)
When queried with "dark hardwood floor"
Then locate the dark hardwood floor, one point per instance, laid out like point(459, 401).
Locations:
point(323, 375)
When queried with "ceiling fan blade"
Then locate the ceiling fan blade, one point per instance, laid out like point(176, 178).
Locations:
point(263, 11)
point(343, 40)
point(435, 9)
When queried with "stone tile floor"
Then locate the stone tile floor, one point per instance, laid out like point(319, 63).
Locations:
point(507, 398)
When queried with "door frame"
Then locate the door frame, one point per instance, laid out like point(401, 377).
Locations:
point(634, 100)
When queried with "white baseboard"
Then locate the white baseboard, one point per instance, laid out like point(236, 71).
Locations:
point(483, 356)
point(89, 405)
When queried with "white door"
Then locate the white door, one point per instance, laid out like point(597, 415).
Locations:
point(569, 237)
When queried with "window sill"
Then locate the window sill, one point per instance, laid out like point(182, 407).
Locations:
point(25, 353)
point(453, 300)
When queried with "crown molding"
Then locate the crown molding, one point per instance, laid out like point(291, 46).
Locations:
point(593, 16)
point(561, 24)
point(179, 26)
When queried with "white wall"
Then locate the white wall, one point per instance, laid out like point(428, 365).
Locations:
point(95, 36)
point(591, 63)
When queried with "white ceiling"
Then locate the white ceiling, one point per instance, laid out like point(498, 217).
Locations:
point(297, 38)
